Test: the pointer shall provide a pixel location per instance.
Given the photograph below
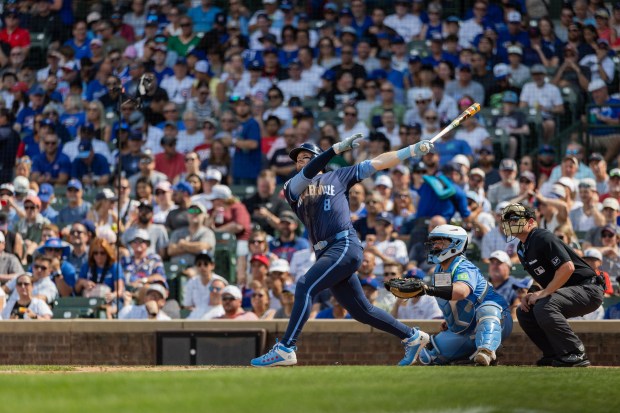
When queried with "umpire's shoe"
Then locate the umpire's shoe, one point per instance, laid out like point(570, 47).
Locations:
point(413, 345)
point(572, 360)
point(279, 355)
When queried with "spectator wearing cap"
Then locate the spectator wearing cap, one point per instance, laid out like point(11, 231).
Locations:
point(187, 40)
point(287, 242)
point(170, 162)
point(406, 24)
point(111, 41)
point(512, 121)
point(187, 241)
point(598, 166)
point(77, 208)
point(501, 85)
point(24, 121)
point(500, 266)
point(158, 235)
point(46, 196)
point(146, 169)
point(613, 185)
point(90, 167)
point(179, 85)
point(252, 82)
point(141, 267)
point(433, 24)
point(152, 309)
point(572, 165)
point(103, 212)
point(202, 293)
point(62, 273)
point(587, 215)
point(527, 189)
point(465, 86)
point(280, 281)
point(263, 32)
point(519, 73)
point(475, 183)
point(543, 96)
point(480, 222)
point(382, 244)
point(231, 301)
point(600, 64)
point(603, 120)
point(178, 217)
point(545, 162)
point(88, 132)
point(163, 202)
point(609, 249)
point(553, 208)
point(594, 259)
point(508, 187)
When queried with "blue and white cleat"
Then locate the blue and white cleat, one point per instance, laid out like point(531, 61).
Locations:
point(413, 345)
point(279, 355)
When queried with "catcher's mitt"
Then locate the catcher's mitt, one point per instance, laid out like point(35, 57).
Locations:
point(406, 287)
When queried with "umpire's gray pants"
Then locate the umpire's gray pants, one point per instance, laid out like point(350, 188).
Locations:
point(546, 324)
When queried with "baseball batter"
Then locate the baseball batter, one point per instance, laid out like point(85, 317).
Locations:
point(320, 200)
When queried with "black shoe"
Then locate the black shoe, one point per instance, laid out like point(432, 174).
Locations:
point(545, 361)
point(572, 360)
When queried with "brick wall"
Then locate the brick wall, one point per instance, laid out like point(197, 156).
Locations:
point(99, 342)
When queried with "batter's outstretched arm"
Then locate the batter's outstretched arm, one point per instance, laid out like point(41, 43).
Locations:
point(390, 159)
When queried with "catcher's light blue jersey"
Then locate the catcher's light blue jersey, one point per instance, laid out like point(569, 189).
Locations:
point(461, 315)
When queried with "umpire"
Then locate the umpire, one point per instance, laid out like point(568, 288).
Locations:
point(570, 288)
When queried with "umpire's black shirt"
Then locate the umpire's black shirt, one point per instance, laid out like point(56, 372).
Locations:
point(543, 253)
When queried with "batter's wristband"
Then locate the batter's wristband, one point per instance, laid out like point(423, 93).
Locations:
point(404, 153)
point(444, 292)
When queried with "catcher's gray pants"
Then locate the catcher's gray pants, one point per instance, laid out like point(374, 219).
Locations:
point(546, 324)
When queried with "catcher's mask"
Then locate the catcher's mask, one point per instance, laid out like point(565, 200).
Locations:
point(458, 243)
point(514, 219)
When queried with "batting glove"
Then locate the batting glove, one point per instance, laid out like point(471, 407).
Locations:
point(347, 144)
point(422, 148)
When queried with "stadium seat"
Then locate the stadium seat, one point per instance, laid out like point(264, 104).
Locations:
point(67, 312)
point(84, 307)
point(518, 271)
point(609, 301)
point(176, 280)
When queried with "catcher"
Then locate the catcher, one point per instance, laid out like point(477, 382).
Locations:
point(476, 318)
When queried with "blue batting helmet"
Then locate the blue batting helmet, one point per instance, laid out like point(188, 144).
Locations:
point(309, 147)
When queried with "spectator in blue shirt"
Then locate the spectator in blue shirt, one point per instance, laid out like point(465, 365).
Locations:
point(79, 42)
point(443, 196)
point(287, 243)
point(247, 161)
point(606, 112)
point(77, 208)
point(89, 167)
point(46, 195)
point(203, 16)
point(52, 166)
point(448, 147)
point(25, 117)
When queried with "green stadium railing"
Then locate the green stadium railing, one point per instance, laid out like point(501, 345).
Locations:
point(79, 307)
point(225, 256)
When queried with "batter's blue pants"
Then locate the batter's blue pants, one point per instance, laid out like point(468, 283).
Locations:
point(334, 269)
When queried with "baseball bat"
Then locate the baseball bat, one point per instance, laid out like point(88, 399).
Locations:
point(468, 113)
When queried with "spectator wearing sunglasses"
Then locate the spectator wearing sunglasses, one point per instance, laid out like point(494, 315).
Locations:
point(203, 292)
point(24, 306)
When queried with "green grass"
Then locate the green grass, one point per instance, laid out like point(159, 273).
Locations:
point(317, 389)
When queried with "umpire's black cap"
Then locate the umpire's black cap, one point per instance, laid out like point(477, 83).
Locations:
point(307, 146)
point(518, 210)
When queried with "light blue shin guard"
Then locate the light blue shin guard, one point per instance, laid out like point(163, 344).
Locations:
point(489, 327)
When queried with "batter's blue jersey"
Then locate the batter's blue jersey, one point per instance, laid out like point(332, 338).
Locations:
point(461, 315)
point(323, 206)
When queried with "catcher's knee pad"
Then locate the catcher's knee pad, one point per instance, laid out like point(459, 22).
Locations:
point(450, 346)
point(489, 327)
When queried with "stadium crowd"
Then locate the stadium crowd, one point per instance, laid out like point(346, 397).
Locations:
point(103, 193)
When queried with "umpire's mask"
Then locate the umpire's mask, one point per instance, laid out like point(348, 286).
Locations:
point(514, 219)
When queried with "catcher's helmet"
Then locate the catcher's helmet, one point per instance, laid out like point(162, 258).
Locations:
point(307, 146)
point(458, 243)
